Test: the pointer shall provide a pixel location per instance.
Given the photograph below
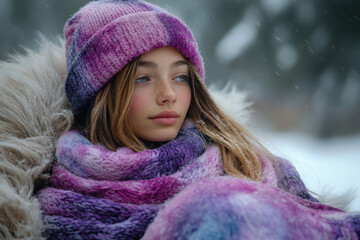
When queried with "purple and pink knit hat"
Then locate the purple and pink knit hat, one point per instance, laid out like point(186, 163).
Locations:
point(103, 36)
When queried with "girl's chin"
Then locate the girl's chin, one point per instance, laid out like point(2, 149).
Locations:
point(158, 140)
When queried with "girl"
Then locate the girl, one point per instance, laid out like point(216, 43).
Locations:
point(151, 155)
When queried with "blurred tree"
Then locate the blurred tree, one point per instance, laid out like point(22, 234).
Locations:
point(305, 52)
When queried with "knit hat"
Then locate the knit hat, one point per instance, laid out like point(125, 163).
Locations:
point(103, 36)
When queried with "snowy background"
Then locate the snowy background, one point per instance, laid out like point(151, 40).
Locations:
point(327, 167)
point(298, 59)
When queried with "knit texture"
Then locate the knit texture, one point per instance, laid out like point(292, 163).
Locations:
point(179, 191)
point(232, 208)
point(103, 36)
point(99, 194)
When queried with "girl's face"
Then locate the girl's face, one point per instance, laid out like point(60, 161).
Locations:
point(161, 95)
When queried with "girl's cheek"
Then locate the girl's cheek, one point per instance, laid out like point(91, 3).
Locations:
point(135, 104)
point(139, 101)
point(185, 95)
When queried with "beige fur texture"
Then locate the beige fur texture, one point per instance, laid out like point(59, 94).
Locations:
point(33, 113)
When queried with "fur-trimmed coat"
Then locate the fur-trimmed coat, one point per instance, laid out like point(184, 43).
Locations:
point(34, 112)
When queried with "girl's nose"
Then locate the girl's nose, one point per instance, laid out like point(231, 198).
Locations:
point(166, 93)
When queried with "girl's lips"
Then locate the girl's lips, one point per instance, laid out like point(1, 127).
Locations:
point(166, 114)
point(165, 121)
point(165, 118)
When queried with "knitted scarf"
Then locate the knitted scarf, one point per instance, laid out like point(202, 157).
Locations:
point(100, 194)
point(178, 191)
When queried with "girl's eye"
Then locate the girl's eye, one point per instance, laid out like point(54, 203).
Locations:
point(142, 79)
point(181, 78)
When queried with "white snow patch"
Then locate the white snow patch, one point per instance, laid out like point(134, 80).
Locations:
point(324, 165)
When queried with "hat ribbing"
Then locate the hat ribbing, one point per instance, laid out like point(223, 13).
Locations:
point(103, 36)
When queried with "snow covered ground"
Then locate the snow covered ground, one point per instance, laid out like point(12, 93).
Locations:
point(327, 165)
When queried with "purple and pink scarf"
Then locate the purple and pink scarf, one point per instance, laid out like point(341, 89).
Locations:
point(179, 191)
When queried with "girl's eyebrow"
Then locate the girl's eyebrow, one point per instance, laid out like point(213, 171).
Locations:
point(150, 64)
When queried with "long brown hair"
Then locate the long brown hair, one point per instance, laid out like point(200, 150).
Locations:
point(240, 150)
point(106, 120)
point(107, 123)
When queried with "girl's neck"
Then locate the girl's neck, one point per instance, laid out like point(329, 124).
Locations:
point(152, 145)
